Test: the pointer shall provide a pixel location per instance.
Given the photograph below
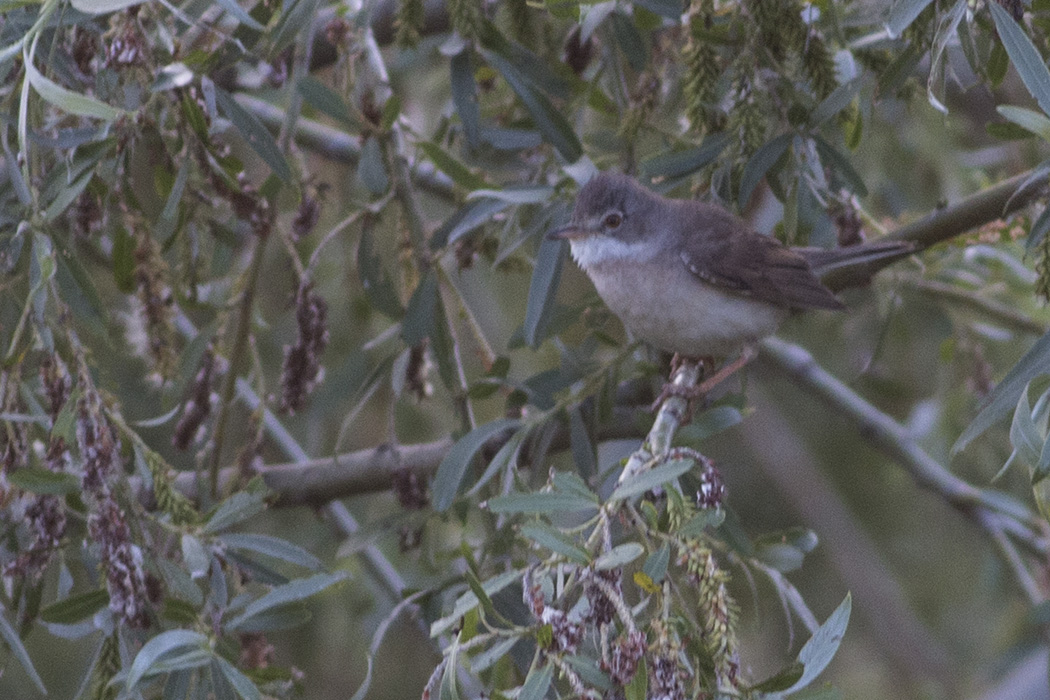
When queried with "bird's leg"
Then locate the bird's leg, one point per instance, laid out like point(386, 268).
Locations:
point(693, 393)
point(746, 355)
point(688, 393)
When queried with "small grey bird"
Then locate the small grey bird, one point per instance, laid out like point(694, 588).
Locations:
point(690, 277)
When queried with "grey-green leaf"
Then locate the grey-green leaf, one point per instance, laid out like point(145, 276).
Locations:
point(158, 647)
point(903, 14)
point(75, 608)
point(291, 592)
point(618, 556)
point(640, 483)
point(1005, 395)
point(542, 290)
point(454, 466)
point(536, 683)
point(1025, 57)
point(419, 316)
point(255, 134)
point(555, 541)
point(272, 547)
point(817, 653)
point(542, 502)
point(760, 164)
point(14, 642)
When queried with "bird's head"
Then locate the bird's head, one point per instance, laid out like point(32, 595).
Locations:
point(612, 221)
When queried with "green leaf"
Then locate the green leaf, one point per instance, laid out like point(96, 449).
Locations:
point(75, 608)
point(194, 556)
point(619, 556)
point(67, 100)
point(160, 646)
point(444, 162)
point(493, 654)
point(541, 502)
point(555, 541)
point(831, 158)
point(233, 9)
point(903, 14)
point(550, 122)
point(14, 642)
point(418, 323)
point(454, 466)
point(760, 164)
point(1024, 55)
point(640, 483)
point(1039, 229)
point(685, 162)
point(323, 99)
point(1028, 120)
point(282, 617)
point(169, 215)
point(701, 521)
point(254, 133)
point(44, 481)
point(465, 95)
point(506, 454)
point(240, 682)
point(473, 214)
point(655, 566)
point(782, 680)
point(67, 196)
point(378, 286)
point(123, 260)
point(291, 592)
point(371, 169)
point(709, 423)
point(817, 653)
point(780, 555)
point(1024, 436)
point(543, 289)
point(629, 40)
point(103, 7)
point(1005, 395)
point(468, 601)
point(237, 508)
point(272, 547)
point(638, 687)
point(536, 683)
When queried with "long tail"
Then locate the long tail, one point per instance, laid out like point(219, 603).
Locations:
point(854, 265)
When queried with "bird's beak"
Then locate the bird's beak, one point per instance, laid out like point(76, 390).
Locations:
point(570, 231)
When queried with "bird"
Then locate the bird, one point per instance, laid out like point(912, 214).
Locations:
point(691, 278)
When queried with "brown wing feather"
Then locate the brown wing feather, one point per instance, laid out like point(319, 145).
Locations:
point(722, 251)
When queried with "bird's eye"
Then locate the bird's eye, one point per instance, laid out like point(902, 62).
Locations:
point(612, 220)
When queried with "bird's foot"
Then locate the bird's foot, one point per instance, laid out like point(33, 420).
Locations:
point(693, 393)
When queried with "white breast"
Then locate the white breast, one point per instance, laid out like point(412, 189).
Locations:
point(667, 307)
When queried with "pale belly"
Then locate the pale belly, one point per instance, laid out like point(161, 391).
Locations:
point(684, 315)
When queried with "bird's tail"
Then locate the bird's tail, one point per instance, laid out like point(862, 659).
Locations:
point(854, 265)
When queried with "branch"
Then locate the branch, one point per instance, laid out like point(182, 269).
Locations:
point(318, 481)
point(946, 223)
point(970, 299)
point(893, 439)
point(339, 145)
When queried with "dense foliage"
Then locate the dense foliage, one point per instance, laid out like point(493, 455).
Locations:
point(261, 256)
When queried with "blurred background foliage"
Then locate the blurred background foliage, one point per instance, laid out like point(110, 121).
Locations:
point(240, 239)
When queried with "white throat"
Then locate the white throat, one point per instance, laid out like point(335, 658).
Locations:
point(595, 250)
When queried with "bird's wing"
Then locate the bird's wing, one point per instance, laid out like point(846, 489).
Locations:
point(720, 250)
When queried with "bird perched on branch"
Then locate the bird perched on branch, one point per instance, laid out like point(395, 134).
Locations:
point(690, 277)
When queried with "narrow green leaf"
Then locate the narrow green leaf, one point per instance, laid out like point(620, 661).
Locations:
point(817, 653)
point(1028, 120)
point(244, 686)
point(493, 654)
point(378, 286)
point(67, 196)
point(1024, 436)
point(541, 502)
point(418, 323)
point(760, 164)
point(903, 14)
point(123, 260)
point(324, 99)
point(67, 100)
point(169, 215)
point(501, 460)
point(1004, 396)
point(536, 683)
point(473, 214)
point(156, 648)
point(542, 290)
point(44, 481)
point(272, 547)
point(640, 483)
point(237, 508)
point(1024, 55)
point(555, 541)
point(655, 566)
point(468, 601)
point(444, 162)
point(14, 642)
point(233, 9)
point(782, 680)
point(685, 162)
point(638, 687)
point(701, 521)
point(103, 7)
point(194, 556)
point(294, 591)
point(839, 164)
point(75, 608)
point(371, 169)
point(630, 41)
point(254, 133)
point(465, 95)
point(619, 556)
point(453, 467)
point(549, 121)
